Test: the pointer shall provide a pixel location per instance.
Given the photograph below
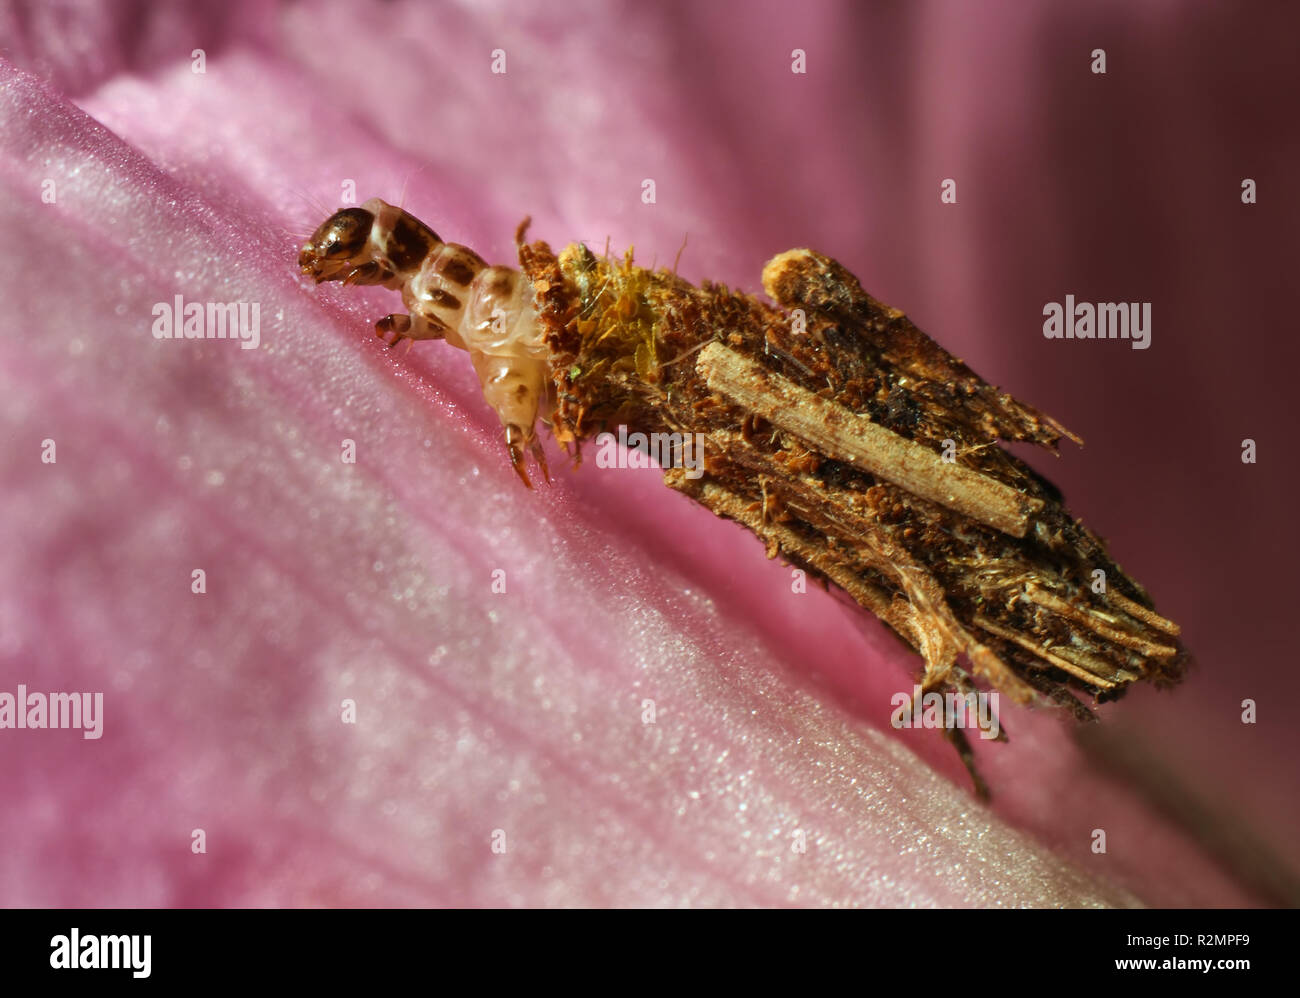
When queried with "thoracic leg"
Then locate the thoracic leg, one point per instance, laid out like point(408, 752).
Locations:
point(392, 329)
point(514, 387)
point(368, 273)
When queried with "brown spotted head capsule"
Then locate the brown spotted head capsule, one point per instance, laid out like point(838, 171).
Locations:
point(338, 247)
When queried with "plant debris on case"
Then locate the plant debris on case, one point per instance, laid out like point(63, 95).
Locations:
point(850, 442)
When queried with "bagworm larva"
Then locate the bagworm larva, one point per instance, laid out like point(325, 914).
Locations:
point(451, 294)
point(850, 442)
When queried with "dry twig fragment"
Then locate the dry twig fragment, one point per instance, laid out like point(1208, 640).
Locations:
point(846, 436)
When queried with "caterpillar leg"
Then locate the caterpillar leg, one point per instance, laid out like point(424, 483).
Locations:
point(516, 439)
point(367, 273)
point(392, 329)
point(515, 386)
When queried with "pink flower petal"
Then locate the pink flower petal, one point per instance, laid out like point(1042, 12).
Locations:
point(523, 712)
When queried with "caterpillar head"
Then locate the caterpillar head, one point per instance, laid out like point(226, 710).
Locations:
point(339, 247)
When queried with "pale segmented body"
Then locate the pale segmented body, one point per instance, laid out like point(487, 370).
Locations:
point(450, 293)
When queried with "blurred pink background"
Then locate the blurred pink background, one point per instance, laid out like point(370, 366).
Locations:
point(523, 712)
